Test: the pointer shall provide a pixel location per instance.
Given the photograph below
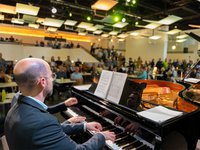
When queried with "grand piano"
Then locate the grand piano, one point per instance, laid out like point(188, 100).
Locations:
point(137, 132)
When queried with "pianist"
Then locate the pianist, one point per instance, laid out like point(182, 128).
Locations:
point(29, 126)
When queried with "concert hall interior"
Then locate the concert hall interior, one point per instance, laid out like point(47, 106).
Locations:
point(132, 65)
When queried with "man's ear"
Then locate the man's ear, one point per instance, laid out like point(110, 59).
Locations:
point(42, 82)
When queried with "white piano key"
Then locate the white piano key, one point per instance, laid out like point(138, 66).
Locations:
point(112, 145)
point(71, 112)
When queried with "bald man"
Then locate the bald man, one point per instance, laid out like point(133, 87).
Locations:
point(29, 126)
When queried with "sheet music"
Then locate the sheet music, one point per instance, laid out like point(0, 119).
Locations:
point(104, 84)
point(192, 80)
point(159, 114)
point(116, 87)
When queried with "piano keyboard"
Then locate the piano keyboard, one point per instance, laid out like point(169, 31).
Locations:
point(123, 140)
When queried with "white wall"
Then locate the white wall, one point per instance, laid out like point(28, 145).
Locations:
point(145, 48)
point(16, 52)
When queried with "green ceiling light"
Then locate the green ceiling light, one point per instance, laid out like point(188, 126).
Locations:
point(133, 2)
point(89, 18)
point(116, 18)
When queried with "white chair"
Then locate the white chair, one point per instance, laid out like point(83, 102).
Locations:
point(4, 143)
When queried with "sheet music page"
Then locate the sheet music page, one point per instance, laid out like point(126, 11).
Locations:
point(116, 87)
point(103, 84)
point(192, 80)
point(159, 114)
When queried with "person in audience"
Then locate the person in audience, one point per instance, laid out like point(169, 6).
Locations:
point(68, 62)
point(78, 45)
point(1, 39)
point(3, 76)
point(142, 73)
point(2, 61)
point(78, 62)
point(42, 43)
point(36, 43)
point(28, 125)
point(11, 39)
point(159, 64)
point(92, 49)
point(58, 61)
point(61, 73)
point(77, 76)
point(71, 45)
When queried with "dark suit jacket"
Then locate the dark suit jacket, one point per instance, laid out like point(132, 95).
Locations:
point(51, 109)
point(29, 126)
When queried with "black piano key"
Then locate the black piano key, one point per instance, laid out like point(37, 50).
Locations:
point(122, 134)
point(143, 147)
point(121, 138)
point(109, 127)
point(116, 130)
point(124, 141)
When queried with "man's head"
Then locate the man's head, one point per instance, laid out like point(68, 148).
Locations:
point(34, 77)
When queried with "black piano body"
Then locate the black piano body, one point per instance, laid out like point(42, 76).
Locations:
point(136, 132)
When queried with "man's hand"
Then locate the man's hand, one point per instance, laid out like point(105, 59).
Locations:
point(71, 101)
point(76, 119)
point(94, 126)
point(109, 135)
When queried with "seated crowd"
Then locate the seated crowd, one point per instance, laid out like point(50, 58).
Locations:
point(167, 69)
point(57, 44)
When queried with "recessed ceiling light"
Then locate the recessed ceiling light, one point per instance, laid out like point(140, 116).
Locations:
point(123, 19)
